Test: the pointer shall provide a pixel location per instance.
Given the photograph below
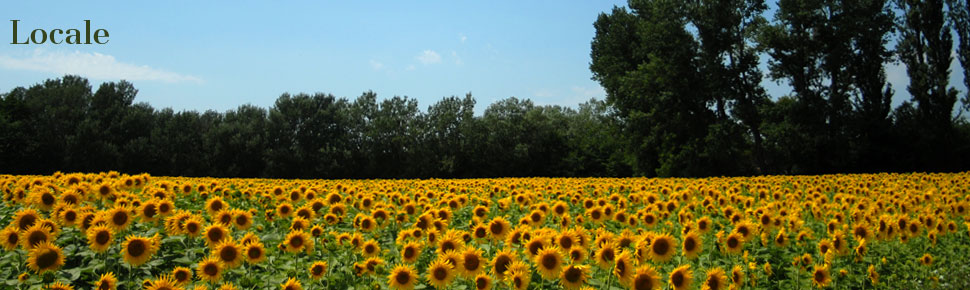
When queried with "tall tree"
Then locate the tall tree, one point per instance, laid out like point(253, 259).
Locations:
point(729, 59)
point(925, 46)
point(647, 62)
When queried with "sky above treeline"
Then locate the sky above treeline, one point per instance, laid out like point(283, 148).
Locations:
point(202, 55)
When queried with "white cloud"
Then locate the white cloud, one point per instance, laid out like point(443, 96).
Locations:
point(458, 61)
point(410, 67)
point(376, 65)
point(462, 37)
point(429, 57)
point(91, 65)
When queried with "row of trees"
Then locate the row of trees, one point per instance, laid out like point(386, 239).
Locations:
point(684, 77)
point(62, 124)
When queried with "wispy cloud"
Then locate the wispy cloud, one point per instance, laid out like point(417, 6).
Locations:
point(462, 37)
point(588, 93)
point(376, 65)
point(456, 58)
point(92, 65)
point(429, 57)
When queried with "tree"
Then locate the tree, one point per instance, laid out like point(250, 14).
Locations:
point(925, 44)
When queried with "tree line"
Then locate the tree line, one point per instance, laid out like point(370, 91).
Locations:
point(64, 125)
point(684, 97)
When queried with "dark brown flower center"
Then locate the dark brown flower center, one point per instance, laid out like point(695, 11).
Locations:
point(136, 248)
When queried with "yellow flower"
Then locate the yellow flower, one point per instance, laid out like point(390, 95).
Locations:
point(45, 257)
point(681, 277)
point(402, 277)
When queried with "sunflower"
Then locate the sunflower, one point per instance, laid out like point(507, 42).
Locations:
point(11, 238)
point(223, 217)
point(286, 209)
point(472, 262)
point(193, 226)
point(69, 216)
point(138, 250)
point(297, 241)
point(411, 252)
point(645, 278)
point(119, 218)
point(716, 279)
point(227, 286)
point(681, 277)
point(566, 240)
point(519, 280)
point(577, 255)
point(402, 277)
point(821, 277)
point(318, 269)
point(148, 211)
point(229, 253)
point(745, 228)
point(182, 275)
point(737, 275)
point(605, 256)
point(483, 282)
point(440, 273)
point(873, 275)
point(254, 253)
point(107, 282)
point(498, 228)
point(501, 262)
point(535, 244)
point(734, 243)
point(34, 235)
point(163, 282)
point(58, 286)
point(215, 204)
point(291, 284)
point(214, 234)
point(623, 268)
point(99, 238)
point(692, 245)
point(926, 260)
point(549, 261)
point(662, 248)
point(45, 257)
point(370, 249)
point(210, 269)
point(574, 277)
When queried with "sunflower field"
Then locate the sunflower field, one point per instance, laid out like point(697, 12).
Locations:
point(116, 231)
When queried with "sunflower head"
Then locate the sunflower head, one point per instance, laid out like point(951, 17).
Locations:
point(681, 277)
point(692, 245)
point(716, 279)
point(483, 282)
point(821, 276)
point(99, 238)
point(440, 273)
point(182, 275)
point(44, 257)
point(573, 276)
point(138, 250)
point(402, 277)
point(662, 248)
point(210, 269)
point(549, 261)
point(318, 269)
point(108, 281)
point(291, 284)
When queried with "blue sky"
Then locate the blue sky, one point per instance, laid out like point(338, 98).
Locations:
point(218, 55)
